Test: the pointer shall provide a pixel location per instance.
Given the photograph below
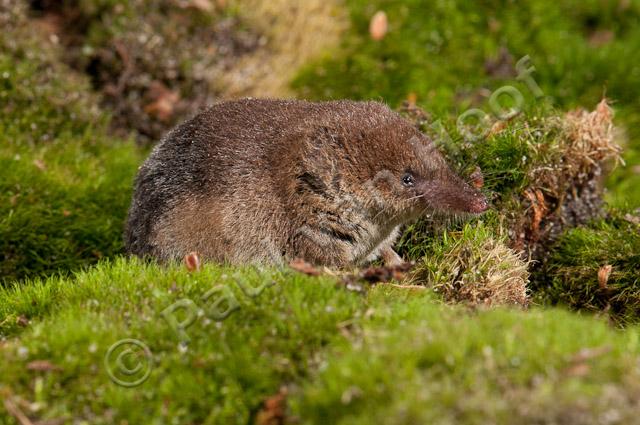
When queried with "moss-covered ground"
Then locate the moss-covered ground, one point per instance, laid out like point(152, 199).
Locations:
point(387, 355)
point(64, 183)
point(270, 346)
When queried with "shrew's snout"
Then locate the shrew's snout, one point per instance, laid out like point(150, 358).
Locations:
point(464, 198)
point(452, 194)
point(478, 205)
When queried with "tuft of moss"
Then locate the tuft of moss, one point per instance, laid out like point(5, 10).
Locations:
point(544, 173)
point(565, 177)
point(577, 273)
point(475, 267)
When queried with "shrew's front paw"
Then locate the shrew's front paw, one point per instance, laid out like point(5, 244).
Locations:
point(390, 257)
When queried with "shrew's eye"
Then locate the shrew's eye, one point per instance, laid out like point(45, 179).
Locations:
point(408, 180)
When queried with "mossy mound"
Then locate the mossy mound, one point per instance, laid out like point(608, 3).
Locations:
point(566, 178)
point(543, 171)
point(475, 267)
point(300, 349)
point(596, 268)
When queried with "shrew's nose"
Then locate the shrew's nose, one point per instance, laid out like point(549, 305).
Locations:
point(479, 205)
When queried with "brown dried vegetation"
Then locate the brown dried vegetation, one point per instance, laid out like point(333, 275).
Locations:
point(566, 185)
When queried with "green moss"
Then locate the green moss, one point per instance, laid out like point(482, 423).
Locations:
point(64, 185)
point(416, 362)
point(345, 357)
point(571, 275)
point(391, 355)
point(625, 181)
point(221, 376)
point(509, 156)
point(426, 53)
point(62, 206)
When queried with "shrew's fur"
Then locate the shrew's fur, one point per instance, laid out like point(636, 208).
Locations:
point(272, 180)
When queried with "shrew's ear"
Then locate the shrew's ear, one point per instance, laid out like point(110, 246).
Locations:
point(319, 171)
point(308, 182)
point(323, 149)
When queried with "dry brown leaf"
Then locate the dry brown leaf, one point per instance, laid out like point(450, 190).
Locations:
point(590, 353)
point(164, 101)
point(42, 365)
point(192, 261)
point(494, 24)
point(578, 370)
point(15, 411)
point(22, 320)
point(633, 219)
point(413, 287)
point(539, 210)
point(497, 127)
point(601, 37)
point(477, 179)
point(302, 266)
point(603, 275)
point(378, 26)
point(273, 410)
point(412, 98)
point(386, 273)
point(579, 362)
point(40, 164)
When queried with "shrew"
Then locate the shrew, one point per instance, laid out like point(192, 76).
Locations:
point(271, 180)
